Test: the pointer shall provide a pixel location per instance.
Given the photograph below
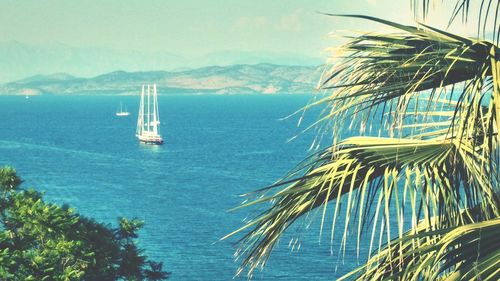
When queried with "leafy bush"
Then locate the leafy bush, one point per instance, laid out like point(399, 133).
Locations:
point(43, 241)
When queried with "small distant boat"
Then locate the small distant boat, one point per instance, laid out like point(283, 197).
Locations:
point(148, 120)
point(122, 112)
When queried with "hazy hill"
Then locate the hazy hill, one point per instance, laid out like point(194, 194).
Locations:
point(235, 79)
point(18, 59)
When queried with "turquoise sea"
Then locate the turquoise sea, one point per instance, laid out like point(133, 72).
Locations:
point(216, 148)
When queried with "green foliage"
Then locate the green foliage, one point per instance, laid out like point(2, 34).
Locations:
point(42, 241)
point(459, 253)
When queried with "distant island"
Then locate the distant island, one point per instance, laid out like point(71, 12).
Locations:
point(234, 79)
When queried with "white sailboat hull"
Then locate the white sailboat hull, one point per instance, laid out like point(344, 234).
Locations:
point(122, 112)
point(150, 139)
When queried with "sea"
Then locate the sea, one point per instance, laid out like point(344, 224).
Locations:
point(76, 151)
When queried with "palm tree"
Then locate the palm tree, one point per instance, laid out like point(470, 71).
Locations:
point(425, 104)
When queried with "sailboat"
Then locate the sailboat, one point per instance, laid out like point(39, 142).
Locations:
point(121, 112)
point(148, 121)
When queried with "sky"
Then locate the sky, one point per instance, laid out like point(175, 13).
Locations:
point(188, 33)
point(184, 27)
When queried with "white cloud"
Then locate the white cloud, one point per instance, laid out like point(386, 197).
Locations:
point(291, 22)
point(244, 23)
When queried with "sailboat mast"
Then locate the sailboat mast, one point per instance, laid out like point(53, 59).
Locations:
point(155, 124)
point(149, 114)
point(157, 112)
point(140, 118)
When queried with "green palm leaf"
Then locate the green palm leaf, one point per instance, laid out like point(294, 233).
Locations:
point(394, 74)
point(361, 166)
point(419, 72)
point(468, 252)
point(487, 14)
point(436, 98)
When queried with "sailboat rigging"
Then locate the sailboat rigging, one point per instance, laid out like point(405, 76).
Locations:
point(148, 120)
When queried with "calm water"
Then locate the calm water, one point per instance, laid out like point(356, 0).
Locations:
point(80, 153)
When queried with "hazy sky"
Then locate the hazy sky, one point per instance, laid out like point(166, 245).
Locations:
point(91, 37)
point(187, 27)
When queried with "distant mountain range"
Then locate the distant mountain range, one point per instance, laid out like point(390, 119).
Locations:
point(19, 59)
point(234, 79)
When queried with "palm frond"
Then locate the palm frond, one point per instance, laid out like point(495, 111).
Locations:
point(359, 167)
point(381, 79)
point(487, 14)
point(467, 252)
point(435, 98)
point(414, 71)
